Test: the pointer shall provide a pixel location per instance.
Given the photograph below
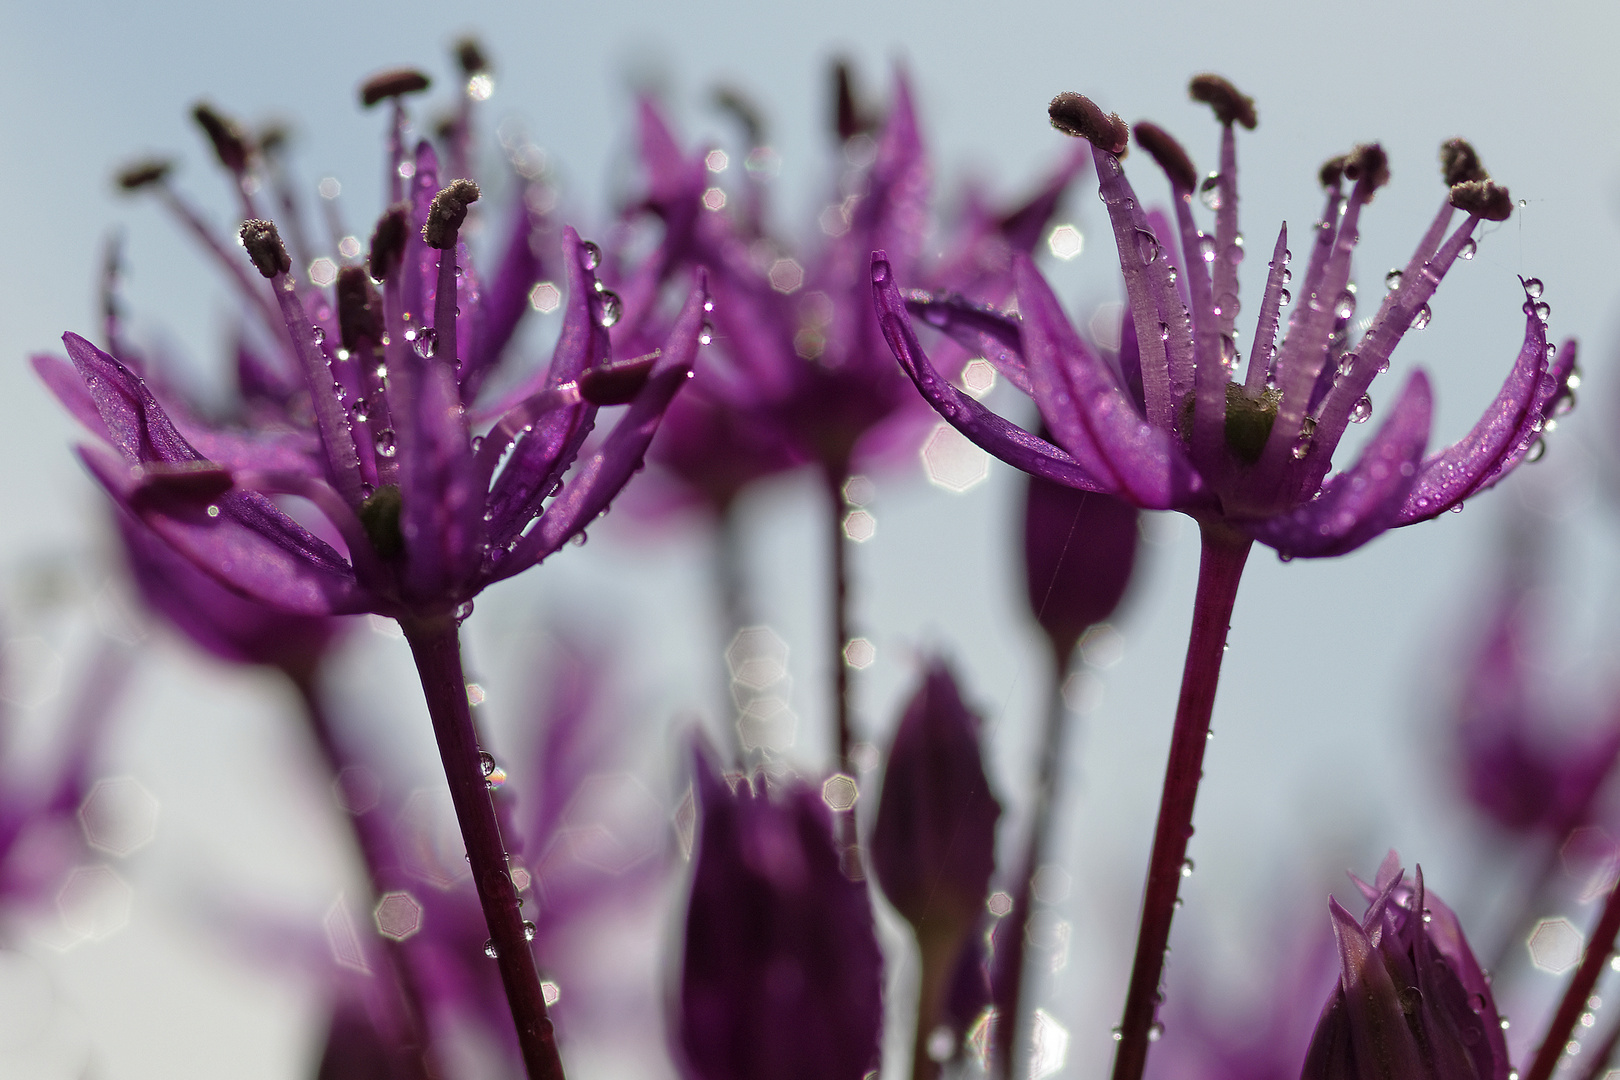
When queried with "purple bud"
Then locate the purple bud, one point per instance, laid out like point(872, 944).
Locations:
point(1079, 549)
point(1411, 1001)
point(782, 977)
point(933, 843)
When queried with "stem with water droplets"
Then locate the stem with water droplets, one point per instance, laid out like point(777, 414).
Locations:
point(436, 647)
point(1220, 569)
point(1598, 949)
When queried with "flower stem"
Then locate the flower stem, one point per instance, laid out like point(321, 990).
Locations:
point(840, 614)
point(1598, 948)
point(374, 848)
point(731, 595)
point(1220, 568)
point(436, 647)
point(1014, 936)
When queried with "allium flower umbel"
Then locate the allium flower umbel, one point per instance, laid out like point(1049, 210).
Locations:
point(429, 513)
point(1412, 1003)
point(1179, 424)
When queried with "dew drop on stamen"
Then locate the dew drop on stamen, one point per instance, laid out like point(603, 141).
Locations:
point(1206, 247)
point(1186, 868)
point(1347, 364)
point(490, 950)
point(486, 762)
point(528, 931)
point(1209, 192)
point(1119, 1034)
point(1284, 298)
point(1468, 250)
point(1392, 280)
point(1147, 247)
point(1361, 411)
point(1156, 1032)
point(1345, 306)
point(1421, 318)
point(590, 255)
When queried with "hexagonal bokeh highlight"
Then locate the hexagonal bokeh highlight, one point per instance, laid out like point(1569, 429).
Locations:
point(979, 377)
point(1555, 946)
point(860, 526)
point(1066, 242)
point(757, 657)
point(952, 462)
point(118, 816)
point(94, 903)
point(786, 275)
point(398, 915)
point(545, 298)
point(840, 792)
point(1051, 1046)
point(859, 653)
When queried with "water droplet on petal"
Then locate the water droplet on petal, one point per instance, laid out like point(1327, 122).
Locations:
point(1533, 288)
point(1186, 868)
point(1468, 250)
point(1284, 298)
point(528, 931)
point(426, 343)
point(1206, 247)
point(608, 308)
point(1147, 246)
point(1209, 192)
point(706, 333)
point(1457, 509)
point(590, 255)
point(1119, 1034)
point(486, 762)
point(1361, 411)
point(1164, 331)
point(384, 441)
point(1543, 310)
point(464, 609)
point(1421, 318)
point(1156, 1032)
point(1537, 451)
point(1345, 306)
point(317, 335)
point(1392, 280)
point(490, 950)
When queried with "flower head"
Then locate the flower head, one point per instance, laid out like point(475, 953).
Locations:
point(1174, 426)
point(782, 977)
point(800, 367)
point(382, 386)
point(1412, 1002)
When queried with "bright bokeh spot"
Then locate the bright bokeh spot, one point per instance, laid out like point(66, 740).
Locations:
point(786, 275)
point(398, 916)
point(1105, 324)
point(480, 86)
point(551, 992)
point(952, 462)
point(860, 526)
point(118, 816)
point(342, 939)
point(716, 160)
point(349, 247)
point(1065, 242)
point(840, 792)
point(767, 723)
point(1082, 692)
point(859, 490)
point(1555, 946)
point(329, 187)
point(94, 903)
point(757, 657)
point(1102, 646)
point(859, 653)
point(1049, 1046)
point(545, 298)
point(979, 377)
point(714, 199)
point(999, 903)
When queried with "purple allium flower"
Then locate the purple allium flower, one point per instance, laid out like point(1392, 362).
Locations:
point(1079, 551)
point(933, 841)
point(1251, 454)
point(1412, 1002)
point(429, 512)
point(1516, 767)
point(781, 974)
point(798, 348)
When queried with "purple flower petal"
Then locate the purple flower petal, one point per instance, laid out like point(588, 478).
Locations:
point(506, 298)
point(982, 331)
point(1508, 428)
point(1151, 466)
point(990, 432)
point(1358, 504)
point(442, 494)
point(250, 547)
point(603, 475)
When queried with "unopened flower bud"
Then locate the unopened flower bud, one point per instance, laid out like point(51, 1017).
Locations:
point(1079, 551)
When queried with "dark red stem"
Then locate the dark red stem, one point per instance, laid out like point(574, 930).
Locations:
point(436, 647)
point(1219, 570)
point(1598, 949)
